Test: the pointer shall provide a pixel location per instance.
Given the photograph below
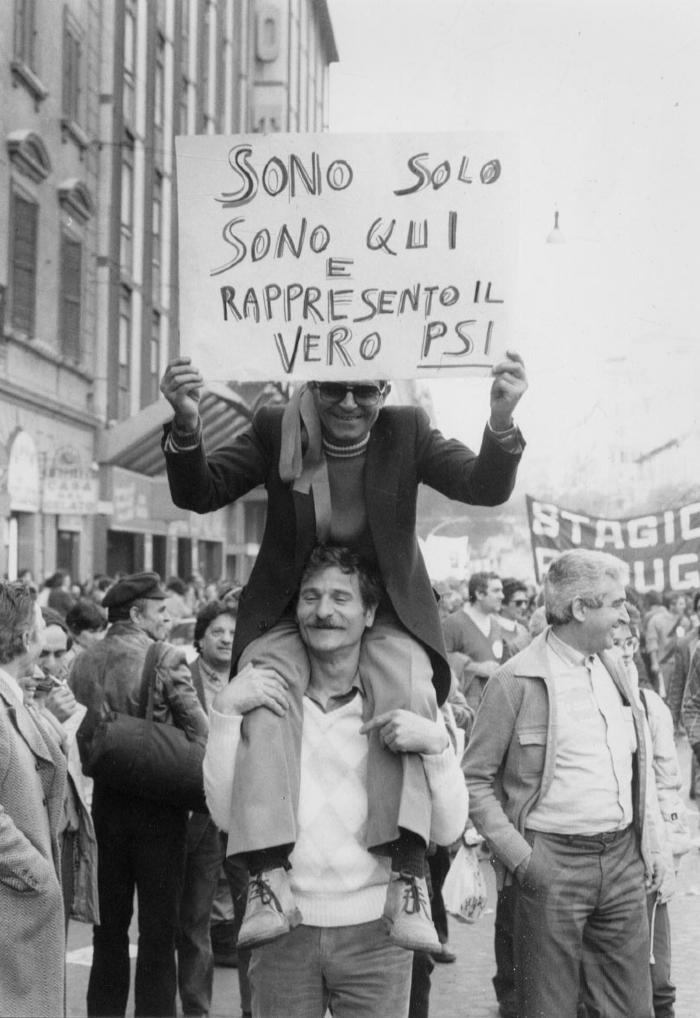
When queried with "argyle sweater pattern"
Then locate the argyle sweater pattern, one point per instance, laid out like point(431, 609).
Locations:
point(335, 880)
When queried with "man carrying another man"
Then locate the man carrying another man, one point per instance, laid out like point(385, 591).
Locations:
point(338, 465)
point(341, 955)
point(559, 782)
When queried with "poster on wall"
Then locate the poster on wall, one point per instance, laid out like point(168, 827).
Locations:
point(346, 255)
point(661, 549)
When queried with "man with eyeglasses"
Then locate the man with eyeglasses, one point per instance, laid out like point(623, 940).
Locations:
point(513, 615)
point(339, 467)
point(561, 787)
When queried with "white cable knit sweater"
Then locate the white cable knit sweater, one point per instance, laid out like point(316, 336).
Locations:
point(335, 880)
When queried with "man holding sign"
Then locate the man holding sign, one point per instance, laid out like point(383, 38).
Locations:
point(341, 467)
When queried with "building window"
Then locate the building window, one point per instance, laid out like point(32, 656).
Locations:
point(155, 357)
point(71, 71)
point(127, 207)
point(23, 256)
point(156, 250)
point(209, 70)
point(159, 101)
point(129, 93)
point(184, 107)
point(124, 373)
point(25, 32)
point(71, 290)
point(24, 59)
point(185, 69)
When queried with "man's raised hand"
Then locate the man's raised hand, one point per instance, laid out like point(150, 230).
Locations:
point(182, 387)
point(509, 384)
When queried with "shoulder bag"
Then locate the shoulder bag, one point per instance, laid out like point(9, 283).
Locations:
point(146, 758)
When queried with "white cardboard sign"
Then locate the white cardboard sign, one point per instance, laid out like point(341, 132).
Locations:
point(311, 256)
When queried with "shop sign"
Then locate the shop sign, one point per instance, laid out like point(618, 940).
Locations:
point(211, 527)
point(130, 498)
point(70, 486)
point(23, 481)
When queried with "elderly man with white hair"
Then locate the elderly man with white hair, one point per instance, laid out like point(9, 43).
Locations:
point(558, 783)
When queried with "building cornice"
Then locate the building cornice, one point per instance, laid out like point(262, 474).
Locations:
point(14, 393)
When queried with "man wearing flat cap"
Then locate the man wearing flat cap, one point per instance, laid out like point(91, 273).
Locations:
point(141, 843)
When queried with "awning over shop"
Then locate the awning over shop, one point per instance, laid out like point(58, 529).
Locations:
point(134, 444)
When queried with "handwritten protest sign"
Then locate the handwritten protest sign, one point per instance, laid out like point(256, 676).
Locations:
point(661, 549)
point(346, 256)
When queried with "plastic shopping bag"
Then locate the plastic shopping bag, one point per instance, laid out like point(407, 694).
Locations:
point(464, 890)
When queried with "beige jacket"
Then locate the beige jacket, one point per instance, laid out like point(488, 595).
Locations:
point(32, 936)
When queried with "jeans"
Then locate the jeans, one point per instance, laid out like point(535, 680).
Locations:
point(354, 970)
point(195, 960)
point(140, 846)
point(584, 923)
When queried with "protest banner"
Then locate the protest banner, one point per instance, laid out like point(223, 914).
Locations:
point(346, 256)
point(662, 549)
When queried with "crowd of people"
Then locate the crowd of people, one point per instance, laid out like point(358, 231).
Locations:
point(355, 722)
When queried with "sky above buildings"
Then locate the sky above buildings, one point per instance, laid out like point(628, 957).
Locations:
point(604, 98)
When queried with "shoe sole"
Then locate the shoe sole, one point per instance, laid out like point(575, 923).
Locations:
point(292, 919)
point(432, 946)
point(263, 938)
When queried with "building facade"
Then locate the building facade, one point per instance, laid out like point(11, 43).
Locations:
point(93, 94)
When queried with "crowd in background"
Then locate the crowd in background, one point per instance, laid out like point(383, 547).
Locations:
point(486, 620)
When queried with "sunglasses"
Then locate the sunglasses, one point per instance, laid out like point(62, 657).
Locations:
point(519, 602)
point(335, 392)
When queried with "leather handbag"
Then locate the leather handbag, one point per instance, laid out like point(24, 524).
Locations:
point(146, 758)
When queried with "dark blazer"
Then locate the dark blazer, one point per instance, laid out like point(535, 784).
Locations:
point(403, 452)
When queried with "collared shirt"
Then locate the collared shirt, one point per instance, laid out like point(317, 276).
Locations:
point(337, 699)
point(591, 790)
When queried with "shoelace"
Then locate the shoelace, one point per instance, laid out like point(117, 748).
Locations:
point(260, 888)
point(414, 899)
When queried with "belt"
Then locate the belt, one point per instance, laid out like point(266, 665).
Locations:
point(604, 838)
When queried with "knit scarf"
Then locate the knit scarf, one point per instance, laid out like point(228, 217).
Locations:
point(302, 462)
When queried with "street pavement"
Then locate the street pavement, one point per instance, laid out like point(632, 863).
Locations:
point(463, 989)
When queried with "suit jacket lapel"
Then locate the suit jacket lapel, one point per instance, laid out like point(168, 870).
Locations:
point(25, 725)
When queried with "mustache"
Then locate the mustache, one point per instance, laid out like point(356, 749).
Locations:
point(322, 624)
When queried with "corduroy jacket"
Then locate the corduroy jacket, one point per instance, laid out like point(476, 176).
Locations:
point(509, 762)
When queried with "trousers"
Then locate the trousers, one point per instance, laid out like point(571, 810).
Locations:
point(140, 848)
point(354, 970)
point(585, 928)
